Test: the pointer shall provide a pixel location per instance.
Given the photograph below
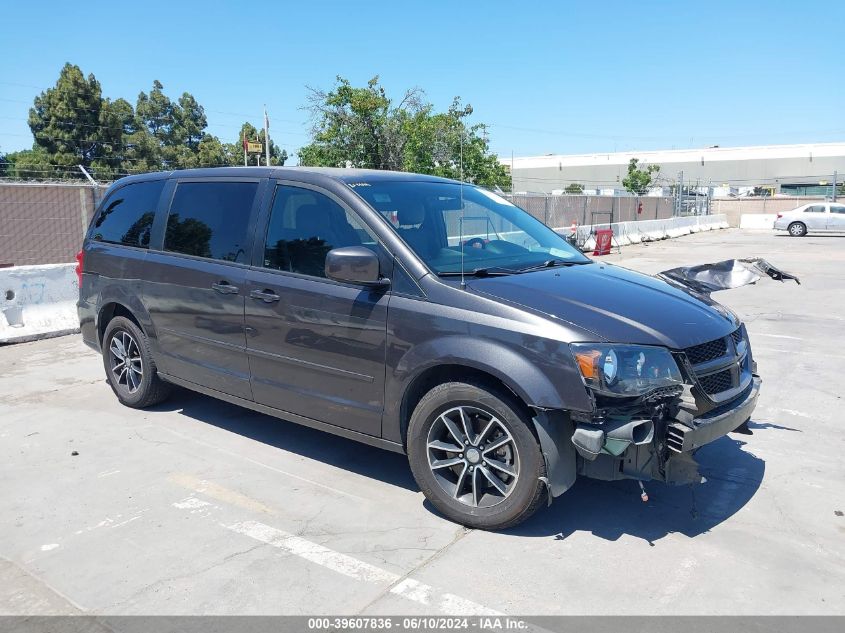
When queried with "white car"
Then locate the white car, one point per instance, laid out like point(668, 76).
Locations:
point(816, 217)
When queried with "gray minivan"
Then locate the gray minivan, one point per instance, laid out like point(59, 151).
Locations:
point(414, 313)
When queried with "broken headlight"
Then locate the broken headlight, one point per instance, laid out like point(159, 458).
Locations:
point(625, 370)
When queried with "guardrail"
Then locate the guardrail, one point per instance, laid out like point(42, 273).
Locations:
point(37, 302)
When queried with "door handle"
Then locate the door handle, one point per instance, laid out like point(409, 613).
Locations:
point(225, 288)
point(267, 296)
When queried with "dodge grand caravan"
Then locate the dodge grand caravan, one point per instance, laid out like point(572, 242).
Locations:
point(413, 313)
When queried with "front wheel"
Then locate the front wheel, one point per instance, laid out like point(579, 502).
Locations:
point(797, 229)
point(129, 366)
point(474, 456)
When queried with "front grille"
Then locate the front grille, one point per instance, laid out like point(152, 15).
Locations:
point(720, 355)
point(715, 383)
point(707, 351)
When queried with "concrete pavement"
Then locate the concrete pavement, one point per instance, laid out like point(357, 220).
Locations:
point(200, 507)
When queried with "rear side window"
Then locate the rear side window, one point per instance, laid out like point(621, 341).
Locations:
point(127, 215)
point(210, 219)
point(816, 208)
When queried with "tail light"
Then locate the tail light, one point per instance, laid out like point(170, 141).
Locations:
point(80, 256)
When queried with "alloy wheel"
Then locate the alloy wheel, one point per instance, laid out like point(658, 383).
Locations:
point(125, 361)
point(473, 456)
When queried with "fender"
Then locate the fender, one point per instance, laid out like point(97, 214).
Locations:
point(521, 373)
point(118, 294)
point(555, 428)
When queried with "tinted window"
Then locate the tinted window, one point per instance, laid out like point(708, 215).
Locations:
point(835, 208)
point(210, 219)
point(304, 226)
point(448, 226)
point(816, 208)
point(127, 215)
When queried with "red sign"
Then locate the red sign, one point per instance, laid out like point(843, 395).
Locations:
point(604, 237)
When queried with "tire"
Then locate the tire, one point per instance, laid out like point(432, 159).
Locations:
point(450, 480)
point(797, 229)
point(138, 385)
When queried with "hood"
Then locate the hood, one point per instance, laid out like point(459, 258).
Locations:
point(617, 304)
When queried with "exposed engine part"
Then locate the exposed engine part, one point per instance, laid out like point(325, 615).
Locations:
point(731, 273)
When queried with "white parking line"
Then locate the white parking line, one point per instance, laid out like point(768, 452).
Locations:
point(352, 567)
point(794, 338)
point(314, 552)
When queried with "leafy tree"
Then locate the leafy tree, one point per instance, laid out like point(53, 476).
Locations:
point(361, 127)
point(639, 179)
point(574, 188)
point(65, 121)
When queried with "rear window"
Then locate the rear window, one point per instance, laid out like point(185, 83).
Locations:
point(210, 219)
point(126, 217)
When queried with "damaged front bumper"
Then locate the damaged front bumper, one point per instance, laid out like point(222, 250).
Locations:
point(660, 448)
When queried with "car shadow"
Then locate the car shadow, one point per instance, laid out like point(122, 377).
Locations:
point(362, 459)
point(611, 510)
point(608, 510)
point(814, 235)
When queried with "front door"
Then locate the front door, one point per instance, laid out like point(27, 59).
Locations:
point(815, 217)
point(195, 284)
point(316, 347)
point(836, 218)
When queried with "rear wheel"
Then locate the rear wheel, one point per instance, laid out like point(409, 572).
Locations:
point(474, 456)
point(129, 366)
point(797, 229)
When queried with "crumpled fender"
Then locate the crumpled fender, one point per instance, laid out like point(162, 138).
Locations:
point(731, 273)
point(554, 429)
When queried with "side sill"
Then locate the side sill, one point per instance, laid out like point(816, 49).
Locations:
point(378, 442)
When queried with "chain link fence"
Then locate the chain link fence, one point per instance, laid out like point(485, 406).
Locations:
point(561, 211)
point(43, 223)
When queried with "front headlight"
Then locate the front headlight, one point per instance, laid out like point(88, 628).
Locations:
point(625, 370)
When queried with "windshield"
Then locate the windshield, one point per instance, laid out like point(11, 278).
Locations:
point(489, 232)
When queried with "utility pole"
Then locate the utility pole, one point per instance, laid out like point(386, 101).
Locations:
point(680, 192)
point(512, 191)
point(835, 174)
point(243, 140)
point(266, 136)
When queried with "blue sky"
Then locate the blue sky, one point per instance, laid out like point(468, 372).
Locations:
point(548, 77)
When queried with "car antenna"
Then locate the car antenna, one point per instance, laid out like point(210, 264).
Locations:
point(461, 232)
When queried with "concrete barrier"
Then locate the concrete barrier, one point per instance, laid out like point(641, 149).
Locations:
point(626, 233)
point(37, 302)
point(757, 220)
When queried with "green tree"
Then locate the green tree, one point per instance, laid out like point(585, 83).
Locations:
point(639, 179)
point(65, 123)
point(574, 188)
point(361, 127)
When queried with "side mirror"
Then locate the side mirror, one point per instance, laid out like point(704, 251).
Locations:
point(354, 265)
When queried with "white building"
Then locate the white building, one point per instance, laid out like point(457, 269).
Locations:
point(806, 169)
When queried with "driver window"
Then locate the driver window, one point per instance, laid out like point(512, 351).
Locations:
point(304, 226)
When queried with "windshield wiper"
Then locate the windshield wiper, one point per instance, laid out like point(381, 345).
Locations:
point(479, 272)
point(551, 263)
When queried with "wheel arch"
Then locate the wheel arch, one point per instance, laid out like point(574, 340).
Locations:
point(462, 359)
point(118, 302)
